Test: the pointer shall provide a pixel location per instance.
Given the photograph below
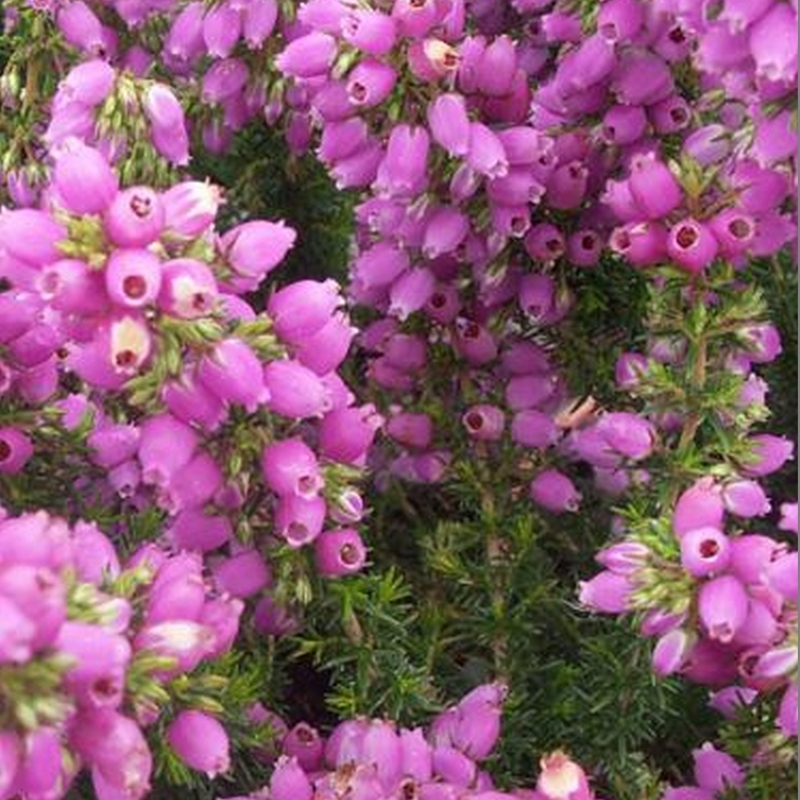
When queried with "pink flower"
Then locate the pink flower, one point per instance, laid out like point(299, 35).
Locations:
point(200, 742)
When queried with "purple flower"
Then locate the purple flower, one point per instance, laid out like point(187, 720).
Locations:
point(345, 434)
point(773, 44)
point(787, 711)
point(608, 592)
point(115, 746)
point(290, 467)
point(299, 519)
point(222, 26)
point(234, 373)
point(484, 422)
point(303, 308)
point(486, 154)
point(168, 126)
point(672, 651)
point(254, 249)
point(370, 31)
point(295, 391)
point(200, 742)
point(554, 491)
point(370, 82)
point(339, 552)
point(31, 236)
point(770, 454)
point(692, 245)
point(705, 551)
point(305, 744)
point(82, 178)
point(16, 450)
point(449, 123)
point(403, 170)
point(723, 605)
point(190, 207)
point(289, 781)
point(308, 56)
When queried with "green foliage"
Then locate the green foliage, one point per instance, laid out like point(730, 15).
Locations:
point(264, 180)
point(365, 636)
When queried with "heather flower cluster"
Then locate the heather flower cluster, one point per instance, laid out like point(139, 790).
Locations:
point(372, 759)
point(157, 378)
point(89, 647)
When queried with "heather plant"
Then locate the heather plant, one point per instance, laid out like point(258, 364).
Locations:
point(278, 493)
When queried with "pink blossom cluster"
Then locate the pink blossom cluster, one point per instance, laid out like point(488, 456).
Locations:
point(133, 293)
point(215, 54)
point(77, 625)
point(723, 605)
point(476, 208)
point(373, 759)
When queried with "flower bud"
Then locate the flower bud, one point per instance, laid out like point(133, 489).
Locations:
point(723, 607)
point(295, 391)
point(554, 491)
point(289, 781)
point(562, 779)
point(608, 592)
point(190, 207)
point(306, 745)
point(200, 742)
point(83, 180)
point(672, 651)
point(290, 467)
point(308, 56)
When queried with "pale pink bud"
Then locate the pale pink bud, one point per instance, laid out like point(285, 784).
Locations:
point(83, 179)
point(562, 779)
point(190, 207)
point(672, 651)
